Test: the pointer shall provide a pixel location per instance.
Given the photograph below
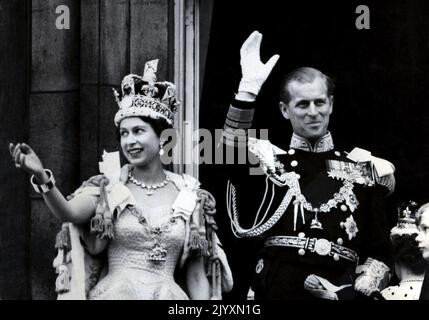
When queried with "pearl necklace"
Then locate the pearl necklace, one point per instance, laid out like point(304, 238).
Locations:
point(150, 188)
point(411, 280)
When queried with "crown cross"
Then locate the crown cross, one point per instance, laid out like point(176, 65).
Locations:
point(407, 212)
point(143, 96)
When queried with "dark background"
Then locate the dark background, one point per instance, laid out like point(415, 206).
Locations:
point(56, 95)
point(381, 76)
point(55, 92)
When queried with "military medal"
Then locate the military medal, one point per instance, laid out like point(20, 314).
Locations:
point(350, 227)
point(345, 194)
point(315, 223)
point(360, 173)
point(259, 266)
point(351, 201)
point(348, 172)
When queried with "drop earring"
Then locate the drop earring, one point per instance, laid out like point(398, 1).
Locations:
point(161, 149)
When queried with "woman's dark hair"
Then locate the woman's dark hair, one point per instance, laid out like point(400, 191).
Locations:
point(158, 125)
point(420, 212)
point(405, 251)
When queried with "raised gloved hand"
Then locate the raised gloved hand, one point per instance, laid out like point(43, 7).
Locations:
point(254, 72)
point(316, 288)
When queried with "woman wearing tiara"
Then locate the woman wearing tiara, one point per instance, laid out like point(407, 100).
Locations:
point(154, 224)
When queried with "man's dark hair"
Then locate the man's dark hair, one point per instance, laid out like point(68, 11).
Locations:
point(304, 75)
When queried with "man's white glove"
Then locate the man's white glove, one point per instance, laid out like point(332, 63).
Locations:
point(321, 288)
point(366, 285)
point(374, 277)
point(254, 72)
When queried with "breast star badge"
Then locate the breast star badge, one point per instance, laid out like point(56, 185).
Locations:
point(350, 227)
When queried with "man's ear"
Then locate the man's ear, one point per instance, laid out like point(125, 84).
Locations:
point(331, 98)
point(284, 108)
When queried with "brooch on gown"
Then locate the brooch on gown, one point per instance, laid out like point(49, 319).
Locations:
point(158, 252)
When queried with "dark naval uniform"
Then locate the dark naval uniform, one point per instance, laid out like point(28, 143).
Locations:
point(325, 217)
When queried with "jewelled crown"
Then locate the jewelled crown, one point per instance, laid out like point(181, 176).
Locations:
point(143, 96)
point(406, 219)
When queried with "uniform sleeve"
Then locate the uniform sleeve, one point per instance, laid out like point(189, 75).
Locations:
point(236, 169)
point(238, 120)
point(377, 242)
point(233, 147)
point(375, 264)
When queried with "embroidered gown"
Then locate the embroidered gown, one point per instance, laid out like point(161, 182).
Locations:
point(150, 243)
point(133, 273)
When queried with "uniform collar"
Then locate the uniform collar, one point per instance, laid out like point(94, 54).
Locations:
point(323, 144)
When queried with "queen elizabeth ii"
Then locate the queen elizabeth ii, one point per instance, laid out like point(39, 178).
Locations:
point(153, 224)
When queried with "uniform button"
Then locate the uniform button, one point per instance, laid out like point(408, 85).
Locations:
point(294, 163)
point(342, 224)
point(291, 152)
point(259, 266)
point(337, 153)
point(336, 257)
point(301, 235)
point(343, 208)
point(340, 241)
point(301, 252)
